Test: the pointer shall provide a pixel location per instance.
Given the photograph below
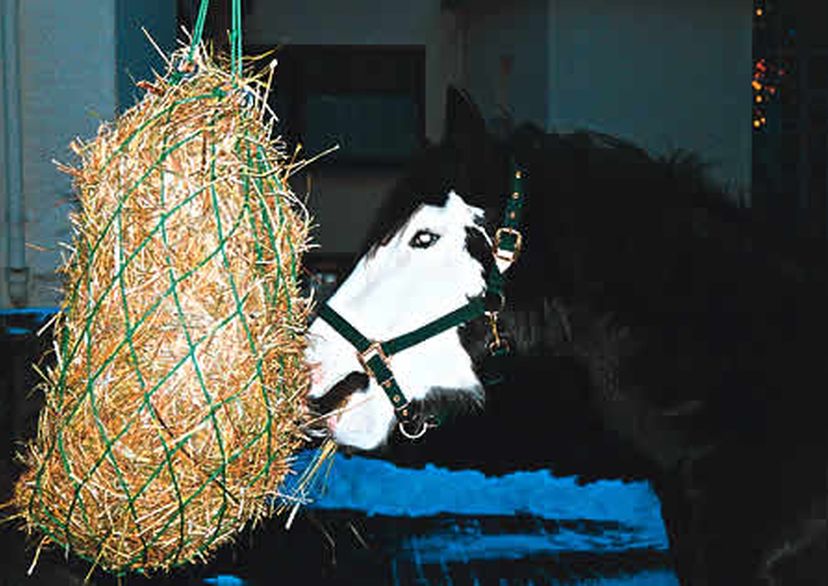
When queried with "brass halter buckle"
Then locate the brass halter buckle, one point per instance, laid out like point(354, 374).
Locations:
point(375, 349)
point(403, 411)
point(507, 256)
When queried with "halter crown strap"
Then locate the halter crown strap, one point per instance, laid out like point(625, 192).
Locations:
point(374, 355)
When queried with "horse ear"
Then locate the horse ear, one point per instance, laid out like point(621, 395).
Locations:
point(464, 125)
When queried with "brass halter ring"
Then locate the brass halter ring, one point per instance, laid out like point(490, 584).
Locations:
point(413, 436)
point(408, 414)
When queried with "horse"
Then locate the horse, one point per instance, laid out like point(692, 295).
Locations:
point(569, 301)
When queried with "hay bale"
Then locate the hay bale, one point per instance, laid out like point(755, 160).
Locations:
point(178, 394)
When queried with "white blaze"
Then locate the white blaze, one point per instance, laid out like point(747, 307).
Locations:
point(392, 292)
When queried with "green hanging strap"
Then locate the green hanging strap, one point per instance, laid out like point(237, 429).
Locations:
point(198, 33)
point(198, 30)
point(187, 66)
point(236, 40)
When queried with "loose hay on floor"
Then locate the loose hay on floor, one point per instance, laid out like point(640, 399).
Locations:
point(178, 394)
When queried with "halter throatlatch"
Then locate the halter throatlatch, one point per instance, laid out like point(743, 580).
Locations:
point(375, 356)
point(508, 243)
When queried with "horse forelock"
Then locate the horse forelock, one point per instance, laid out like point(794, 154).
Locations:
point(480, 179)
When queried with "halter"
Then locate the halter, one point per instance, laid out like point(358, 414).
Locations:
point(374, 355)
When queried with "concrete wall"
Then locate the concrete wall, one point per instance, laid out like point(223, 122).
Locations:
point(78, 61)
point(356, 22)
point(506, 61)
point(663, 73)
point(67, 86)
point(343, 202)
point(343, 199)
point(135, 57)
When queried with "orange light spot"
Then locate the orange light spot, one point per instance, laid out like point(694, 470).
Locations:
point(756, 85)
point(759, 12)
point(756, 124)
point(758, 99)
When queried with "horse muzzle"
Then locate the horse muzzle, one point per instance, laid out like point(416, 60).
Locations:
point(336, 398)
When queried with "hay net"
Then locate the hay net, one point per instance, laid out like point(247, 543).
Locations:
point(178, 395)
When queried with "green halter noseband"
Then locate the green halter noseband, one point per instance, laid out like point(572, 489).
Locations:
point(374, 356)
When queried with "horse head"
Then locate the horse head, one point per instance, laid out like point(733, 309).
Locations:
point(427, 255)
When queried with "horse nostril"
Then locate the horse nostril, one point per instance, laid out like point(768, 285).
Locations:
point(336, 397)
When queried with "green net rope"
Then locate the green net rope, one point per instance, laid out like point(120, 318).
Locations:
point(236, 47)
point(259, 178)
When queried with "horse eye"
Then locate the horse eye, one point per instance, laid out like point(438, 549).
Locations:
point(423, 239)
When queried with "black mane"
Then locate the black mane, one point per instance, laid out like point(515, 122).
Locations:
point(675, 337)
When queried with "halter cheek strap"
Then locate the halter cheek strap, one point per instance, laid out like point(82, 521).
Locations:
point(374, 356)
